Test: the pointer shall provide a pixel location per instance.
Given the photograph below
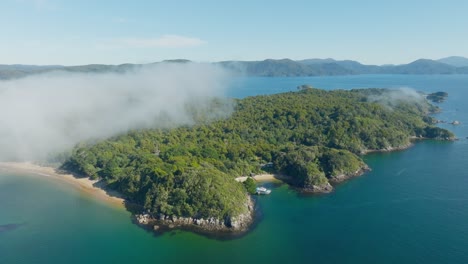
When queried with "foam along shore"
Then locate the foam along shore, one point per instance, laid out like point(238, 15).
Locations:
point(93, 188)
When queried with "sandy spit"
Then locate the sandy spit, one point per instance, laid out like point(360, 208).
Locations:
point(93, 188)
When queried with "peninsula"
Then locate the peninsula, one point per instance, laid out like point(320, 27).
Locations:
point(185, 176)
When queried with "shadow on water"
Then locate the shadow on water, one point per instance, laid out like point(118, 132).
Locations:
point(9, 227)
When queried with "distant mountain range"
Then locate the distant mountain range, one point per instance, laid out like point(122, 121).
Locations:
point(456, 61)
point(314, 67)
point(269, 67)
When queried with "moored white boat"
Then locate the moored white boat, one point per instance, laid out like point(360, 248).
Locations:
point(262, 190)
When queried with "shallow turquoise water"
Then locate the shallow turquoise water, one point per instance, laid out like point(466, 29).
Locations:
point(412, 208)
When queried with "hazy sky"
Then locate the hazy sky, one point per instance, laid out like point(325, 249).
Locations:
point(72, 32)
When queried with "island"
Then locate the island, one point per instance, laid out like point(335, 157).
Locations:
point(437, 97)
point(184, 177)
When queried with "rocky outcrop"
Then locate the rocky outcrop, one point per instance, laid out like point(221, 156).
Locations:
point(143, 219)
point(327, 187)
point(388, 149)
point(234, 224)
point(322, 188)
point(240, 222)
point(406, 146)
point(343, 177)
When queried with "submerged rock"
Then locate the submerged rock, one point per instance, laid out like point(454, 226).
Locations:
point(9, 227)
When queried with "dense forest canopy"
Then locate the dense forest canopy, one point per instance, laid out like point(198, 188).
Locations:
point(312, 135)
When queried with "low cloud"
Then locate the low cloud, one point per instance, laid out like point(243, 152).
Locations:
point(391, 98)
point(50, 113)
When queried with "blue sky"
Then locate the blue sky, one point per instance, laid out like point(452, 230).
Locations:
point(73, 32)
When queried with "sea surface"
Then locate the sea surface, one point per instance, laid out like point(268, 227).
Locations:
point(412, 207)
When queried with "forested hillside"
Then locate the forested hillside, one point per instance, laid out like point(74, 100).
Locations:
point(311, 135)
point(266, 68)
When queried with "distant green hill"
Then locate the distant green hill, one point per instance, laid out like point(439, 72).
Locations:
point(268, 67)
point(284, 67)
point(455, 61)
point(421, 66)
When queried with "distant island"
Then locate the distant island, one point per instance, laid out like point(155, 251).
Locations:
point(185, 176)
point(437, 97)
point(267, 68)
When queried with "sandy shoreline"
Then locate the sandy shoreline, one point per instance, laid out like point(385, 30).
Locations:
point(85, 185)
point(266, 177)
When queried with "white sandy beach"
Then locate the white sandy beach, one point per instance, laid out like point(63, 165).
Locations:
point(266, 177)
point(85, 185)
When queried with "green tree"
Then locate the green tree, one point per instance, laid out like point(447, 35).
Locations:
point(250, 185)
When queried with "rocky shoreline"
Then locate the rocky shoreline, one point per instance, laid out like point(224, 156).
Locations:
point(403, 147)
point(344, 177)
point(389, 149)
point(328, 187)
point(318, 189)
point(241, 223)
point(232, 225)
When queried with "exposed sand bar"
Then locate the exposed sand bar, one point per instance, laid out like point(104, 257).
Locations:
point(85, 185)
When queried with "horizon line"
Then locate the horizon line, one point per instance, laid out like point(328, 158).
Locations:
point(218, 61)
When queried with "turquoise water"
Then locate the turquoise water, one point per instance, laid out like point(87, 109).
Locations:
point(412, 208)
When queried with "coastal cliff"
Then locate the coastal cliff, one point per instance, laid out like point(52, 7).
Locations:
point(327, 187)
point(231, 224)
point(344, 177)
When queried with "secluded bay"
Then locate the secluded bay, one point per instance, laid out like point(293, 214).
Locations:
point(412, 208)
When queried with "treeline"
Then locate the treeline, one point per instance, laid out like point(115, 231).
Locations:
point(311, 135)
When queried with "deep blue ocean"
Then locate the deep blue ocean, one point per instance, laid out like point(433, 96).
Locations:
point(412, 207)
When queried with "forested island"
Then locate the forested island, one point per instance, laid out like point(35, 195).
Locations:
point(184, 176)
point(437, 97)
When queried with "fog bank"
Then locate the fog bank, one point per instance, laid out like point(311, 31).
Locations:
point(393, 97)
point(50, 113)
